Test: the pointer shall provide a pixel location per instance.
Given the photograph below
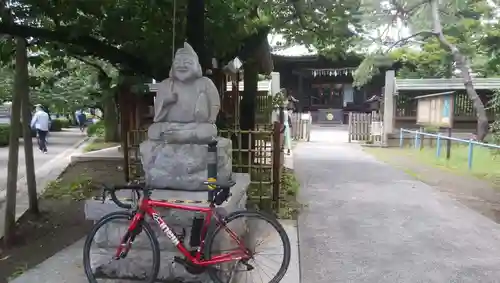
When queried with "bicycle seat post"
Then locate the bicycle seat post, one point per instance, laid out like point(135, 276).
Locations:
point(212, 167)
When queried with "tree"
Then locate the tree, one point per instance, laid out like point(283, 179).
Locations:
point(328, 26)
point(22, 76)
point(443, 21)
point(13, 161)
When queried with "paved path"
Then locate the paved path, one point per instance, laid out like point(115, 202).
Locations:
point(59, 142)
point(367, 222)
point(47, 168)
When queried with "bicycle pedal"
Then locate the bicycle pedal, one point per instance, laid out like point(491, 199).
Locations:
point(189, 266)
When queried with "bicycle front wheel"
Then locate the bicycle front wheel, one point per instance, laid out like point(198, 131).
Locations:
point(267, 241)
point(140, 262)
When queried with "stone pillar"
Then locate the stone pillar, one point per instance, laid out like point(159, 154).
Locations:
point(389, 105)
point(275, 83)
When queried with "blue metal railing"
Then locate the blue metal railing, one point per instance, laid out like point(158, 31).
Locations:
point(471, 143)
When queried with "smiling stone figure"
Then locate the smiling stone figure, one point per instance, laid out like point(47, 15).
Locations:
point(187, 103)
point(186, 107)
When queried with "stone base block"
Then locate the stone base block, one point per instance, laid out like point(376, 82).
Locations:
point(109, 236)
point(183, 166)
point(137, 266)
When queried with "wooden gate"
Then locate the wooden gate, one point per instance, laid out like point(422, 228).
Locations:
point(365, 127)
point(301, 126)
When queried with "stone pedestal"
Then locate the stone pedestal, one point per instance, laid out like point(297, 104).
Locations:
point(139, 259)
point(183, 166)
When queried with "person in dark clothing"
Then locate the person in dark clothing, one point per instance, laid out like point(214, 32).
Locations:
point(291, 105)
point(82, 119)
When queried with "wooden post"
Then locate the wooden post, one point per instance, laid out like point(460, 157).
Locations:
point(277, 150)
point(421, 144)
point(448, 145)
point(350, 127)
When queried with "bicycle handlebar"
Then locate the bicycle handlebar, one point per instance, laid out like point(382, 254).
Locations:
point(138, 188)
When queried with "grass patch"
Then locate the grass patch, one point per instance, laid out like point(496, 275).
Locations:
point(289, 206)
point(260, 194)
point(485, 162)
point(77, 189)
point(99, 144)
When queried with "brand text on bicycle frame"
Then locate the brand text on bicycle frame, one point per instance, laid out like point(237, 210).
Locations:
point(164, 227)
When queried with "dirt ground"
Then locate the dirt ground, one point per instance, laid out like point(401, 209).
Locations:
point(62, 219)
point(479, 195)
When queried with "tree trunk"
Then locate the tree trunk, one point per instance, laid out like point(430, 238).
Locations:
point(195, 29)
point(463, 65)
point(110, 118)
point(13, 161)
point(23, 77)
point(247, 109)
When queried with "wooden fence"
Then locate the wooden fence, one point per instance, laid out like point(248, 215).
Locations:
point(263, 160)
point(301, 126)
point(365, 127)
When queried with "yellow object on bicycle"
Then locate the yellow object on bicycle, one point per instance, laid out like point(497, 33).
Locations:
point(212, 180)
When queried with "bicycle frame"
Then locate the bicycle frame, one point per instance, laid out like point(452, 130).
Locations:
point(147, 206)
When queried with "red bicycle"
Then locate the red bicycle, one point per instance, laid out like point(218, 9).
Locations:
point(207, 257)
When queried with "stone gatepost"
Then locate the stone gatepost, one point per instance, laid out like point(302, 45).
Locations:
point(389, 105)
point(175, 155)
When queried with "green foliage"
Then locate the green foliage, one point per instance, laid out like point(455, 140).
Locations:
point(365, 71)
point(96, 130)
point(4, 135)
point(495, 126)
point(65, 123)
point(56, 125)
point(424, 56)
point(79, 189)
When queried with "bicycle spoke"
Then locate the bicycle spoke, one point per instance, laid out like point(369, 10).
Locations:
point(269, 250)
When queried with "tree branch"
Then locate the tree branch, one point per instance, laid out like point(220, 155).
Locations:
point(91, 45)
point(405, 40)
point(93, 64)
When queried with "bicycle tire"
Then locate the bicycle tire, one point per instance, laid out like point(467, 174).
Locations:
point(249, 213)
point(114, 216)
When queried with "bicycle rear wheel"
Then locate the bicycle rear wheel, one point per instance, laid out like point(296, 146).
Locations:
point(100, 264)
point(253, 225)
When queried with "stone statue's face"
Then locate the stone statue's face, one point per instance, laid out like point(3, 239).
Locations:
point(184, 67)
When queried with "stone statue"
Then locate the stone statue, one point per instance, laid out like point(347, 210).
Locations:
point(186, 107)
point(187, 104)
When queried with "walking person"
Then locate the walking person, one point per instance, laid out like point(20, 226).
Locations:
point(289, 107)
point(81, 118)
point(40, 122)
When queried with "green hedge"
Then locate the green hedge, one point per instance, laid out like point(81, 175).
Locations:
point(96, 130)
point(65, 122)
point(4, 135)
point(58, 124)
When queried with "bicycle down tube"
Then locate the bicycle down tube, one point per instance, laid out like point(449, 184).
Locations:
point(147, 207)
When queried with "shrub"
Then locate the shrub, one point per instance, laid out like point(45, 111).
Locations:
point(96, 130)
point(56, 125)
point(65, 123)
point(4, 135)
